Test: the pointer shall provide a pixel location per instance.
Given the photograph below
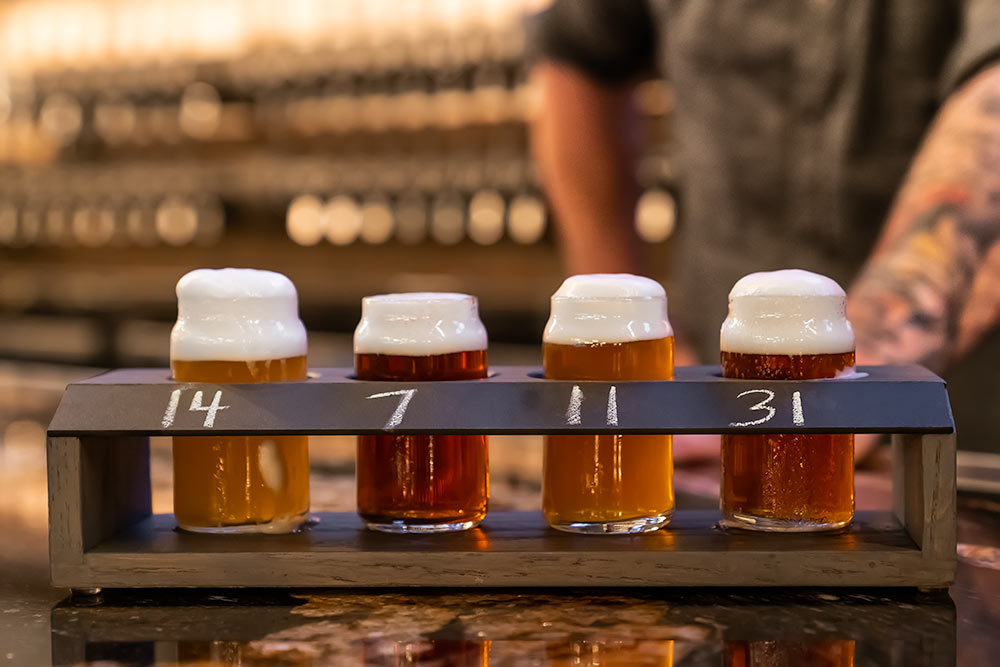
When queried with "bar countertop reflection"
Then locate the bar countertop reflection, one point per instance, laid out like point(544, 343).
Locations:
point(507, 628)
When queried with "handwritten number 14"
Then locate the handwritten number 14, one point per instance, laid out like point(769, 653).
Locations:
point(211, 410)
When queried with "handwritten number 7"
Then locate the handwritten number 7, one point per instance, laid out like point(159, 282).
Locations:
point(397, 416)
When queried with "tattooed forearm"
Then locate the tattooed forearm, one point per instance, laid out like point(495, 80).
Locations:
point(909, 300)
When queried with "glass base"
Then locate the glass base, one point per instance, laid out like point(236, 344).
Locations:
point(282, 525)
point(418, 527)
point(771, 525)
point(627, 526)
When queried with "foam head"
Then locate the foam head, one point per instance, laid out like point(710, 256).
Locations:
point(787, 312)
point(419, 324)
point(607, 308)
point(236, 315)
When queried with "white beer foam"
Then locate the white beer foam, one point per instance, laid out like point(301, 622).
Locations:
point(419, 324)
point(787, 312)
point(607, 308)
point(236, 315)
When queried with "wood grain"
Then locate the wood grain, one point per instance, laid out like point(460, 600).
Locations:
point(115, 487)
point(65, 523)
point(511, 549)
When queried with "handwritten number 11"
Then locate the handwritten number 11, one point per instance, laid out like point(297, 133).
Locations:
point(574, 414)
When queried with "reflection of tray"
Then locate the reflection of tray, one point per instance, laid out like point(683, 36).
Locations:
point(102, 533)
point(512, 627)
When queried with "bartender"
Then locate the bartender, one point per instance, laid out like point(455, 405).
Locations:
point(855, 138)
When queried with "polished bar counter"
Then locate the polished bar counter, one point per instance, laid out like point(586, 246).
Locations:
point(40, 625)
point(508, 627)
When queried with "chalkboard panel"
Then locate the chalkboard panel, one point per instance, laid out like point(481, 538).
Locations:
point(514, 400)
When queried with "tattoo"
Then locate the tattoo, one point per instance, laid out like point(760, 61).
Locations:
point(909, 302)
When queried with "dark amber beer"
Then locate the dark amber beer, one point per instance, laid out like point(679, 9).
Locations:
point(239, 325)
point(610, 327)
point(421, 483)
point(787, 325)
point(818, 653)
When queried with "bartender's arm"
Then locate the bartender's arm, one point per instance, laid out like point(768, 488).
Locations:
point(585, 138)
point(585, 143)
point(932, 284)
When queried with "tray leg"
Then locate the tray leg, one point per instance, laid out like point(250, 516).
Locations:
point(97, 487)
point(924, 497)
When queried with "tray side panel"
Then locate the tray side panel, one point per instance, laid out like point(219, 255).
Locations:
point(115, 489)
point(908, 484)
point(65, 521)
point(513, 549)
point(512, 569)
point(939, 454)
point(924, 495)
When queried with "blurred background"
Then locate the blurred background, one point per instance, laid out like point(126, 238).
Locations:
point(357, 147)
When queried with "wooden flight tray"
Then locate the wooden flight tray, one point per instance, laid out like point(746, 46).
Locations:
point(102, 532)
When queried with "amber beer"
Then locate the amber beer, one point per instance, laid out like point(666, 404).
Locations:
point(428, 652)
point(615, 651)
point(239, 326)
point(608, 327)
point(421, 483)
point(787, 325)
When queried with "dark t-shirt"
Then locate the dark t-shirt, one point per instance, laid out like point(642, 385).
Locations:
point(794, 120)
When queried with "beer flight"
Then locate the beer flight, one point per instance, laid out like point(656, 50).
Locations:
point(242, 326)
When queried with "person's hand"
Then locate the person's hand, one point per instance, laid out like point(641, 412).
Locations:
point(684, 354)
point(696, 449)
point(692, 449)
point(864, 445)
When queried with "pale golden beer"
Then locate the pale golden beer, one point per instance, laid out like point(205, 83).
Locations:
point(239, 326)
point(421, 483)
point(787, 325)
point(608, 327)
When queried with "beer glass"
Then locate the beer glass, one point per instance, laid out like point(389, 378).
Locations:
point(239, 325)
point(610, 327)
point(787, 325)
point(421, 483)
point(815, 653)
point(620, 651)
